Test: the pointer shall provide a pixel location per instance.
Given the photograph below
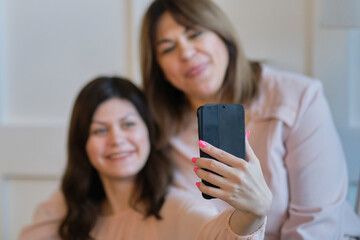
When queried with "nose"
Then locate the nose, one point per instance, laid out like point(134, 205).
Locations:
point(187, 49)
point(116, 137)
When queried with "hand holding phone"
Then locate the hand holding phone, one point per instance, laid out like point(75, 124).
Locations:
point(223, 126)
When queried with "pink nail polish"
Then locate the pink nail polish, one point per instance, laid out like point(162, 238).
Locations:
point(198, 184)
point(247, 134)
point(202, 144)
point(195, 169)
point(194, 159)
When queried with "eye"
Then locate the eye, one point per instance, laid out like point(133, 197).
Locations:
point(128, 124)
point(195, 34)
point(99, 131)
point(168, 49)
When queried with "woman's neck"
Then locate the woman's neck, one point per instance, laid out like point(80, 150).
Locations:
point(195, 103)
point(118, 195)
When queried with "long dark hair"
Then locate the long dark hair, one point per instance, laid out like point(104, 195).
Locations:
point(167, 103)
point(81, 185)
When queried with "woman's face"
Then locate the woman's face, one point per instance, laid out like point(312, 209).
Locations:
point(118, 145)
point(194, 60)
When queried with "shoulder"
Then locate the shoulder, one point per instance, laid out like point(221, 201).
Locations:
point(285, 80)
point(46, 219)
point(282, 94)
point(53, 208)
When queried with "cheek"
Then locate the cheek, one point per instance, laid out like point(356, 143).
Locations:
point(221, 57)
point(219, 50)
point(143, 140)
point(169, 67)
point(224, 55)
point(146, 143)
point(92, 150)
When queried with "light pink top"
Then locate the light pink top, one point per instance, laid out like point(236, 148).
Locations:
point(183, 218)
point(293, 135)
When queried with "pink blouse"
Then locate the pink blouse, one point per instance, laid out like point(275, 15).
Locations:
point(183, 218)
point(293, 135)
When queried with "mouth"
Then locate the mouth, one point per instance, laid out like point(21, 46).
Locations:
point(196, 70)
point(120, 156)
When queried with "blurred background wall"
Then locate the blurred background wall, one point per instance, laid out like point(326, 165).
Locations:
point(50, 49)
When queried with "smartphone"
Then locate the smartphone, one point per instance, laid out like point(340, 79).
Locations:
point(223, 126)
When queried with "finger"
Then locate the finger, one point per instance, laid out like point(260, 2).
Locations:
point(212, 165)
point(225, 171)
point(211, 191)
point(250, 155)
point(221, 155)
point(212, 178)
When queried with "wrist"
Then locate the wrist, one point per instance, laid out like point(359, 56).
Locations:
point(245, 223)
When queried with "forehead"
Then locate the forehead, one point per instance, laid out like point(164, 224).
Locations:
point(114, 107)
point(167, 26)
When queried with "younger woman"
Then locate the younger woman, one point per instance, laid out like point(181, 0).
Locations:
point(118, 186)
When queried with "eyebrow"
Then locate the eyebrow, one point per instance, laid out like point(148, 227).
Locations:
point(166, 40)
point(121, 119)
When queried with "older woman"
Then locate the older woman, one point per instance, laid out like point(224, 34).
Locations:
point(190, 56)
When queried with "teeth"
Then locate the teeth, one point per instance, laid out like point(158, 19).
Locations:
point(120, 155)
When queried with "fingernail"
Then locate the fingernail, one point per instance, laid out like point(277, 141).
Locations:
point(202, 144)
point(194, 159)
point(247, 134)
point(198, 184)
point(195, 169)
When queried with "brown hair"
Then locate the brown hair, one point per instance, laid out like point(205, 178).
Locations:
point(81, 185)
point(167, 103)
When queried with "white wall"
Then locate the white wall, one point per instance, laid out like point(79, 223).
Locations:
point(272, 31)
point(52, 48)
point(49, 49)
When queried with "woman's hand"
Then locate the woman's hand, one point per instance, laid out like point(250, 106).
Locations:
point(241, 184)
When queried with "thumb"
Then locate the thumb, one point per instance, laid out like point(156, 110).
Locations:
point(250, 155)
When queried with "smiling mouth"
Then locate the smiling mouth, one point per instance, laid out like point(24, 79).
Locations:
point(120, 156)
point(196, 70)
